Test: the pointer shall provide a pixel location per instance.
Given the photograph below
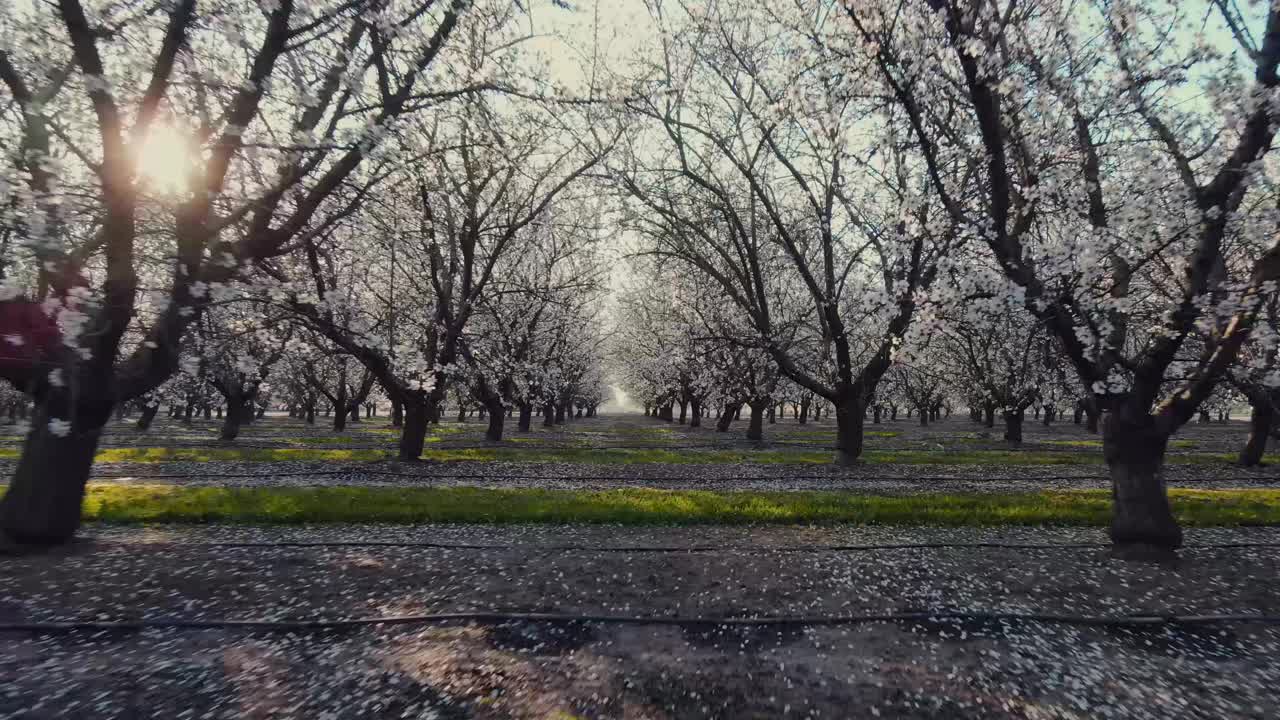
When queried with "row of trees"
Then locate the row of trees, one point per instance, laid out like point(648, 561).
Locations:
point(846, 185)
point(210, 200)
point(1028, 190)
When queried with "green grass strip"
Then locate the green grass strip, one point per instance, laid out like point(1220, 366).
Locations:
point(174, 504)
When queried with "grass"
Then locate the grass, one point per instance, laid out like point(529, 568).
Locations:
point(633, 456)
point(1178, 444)
point(149, 455)
point(173, 504)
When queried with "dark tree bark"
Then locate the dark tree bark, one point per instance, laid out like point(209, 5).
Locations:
point(1261, 418)
point(413, 435)
point(1134, 451)
point(397, 413)
point(148, 416)
point(549, 414)
point(1013, 425)
point(989, 415)
point(755, 427)
point(1092, 415)
point(850, 408)
point(526, 417)
point(695, 419)
point(497, 419)
point(42, 504)
point(726, 417)
point(235, 415)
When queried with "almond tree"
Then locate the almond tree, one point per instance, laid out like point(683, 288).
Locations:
point(1100, 181)
point(741, 167)
point(267, 108)
point(492, 168)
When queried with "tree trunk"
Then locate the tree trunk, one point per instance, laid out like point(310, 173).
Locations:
point(755, 428)
point(42, 504)
point(1092, 414)
point(684, 408)
point(1134, 452)
point(397, 413)
point(875, 414)
point(413, 434)
point(989, 415)
point(526, 417)
point(695, 418)
point(497, 418)
point(1260, 419)
point(726, 417)
point(147, 416)
point(549, 415)
point(849, 412)
point(236, 411)
point(1013, 425)
point(340, 409)
point(1078, 414)
point(924, 417)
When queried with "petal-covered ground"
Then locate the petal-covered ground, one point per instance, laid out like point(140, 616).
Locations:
point(947, 668)
point(958, 662)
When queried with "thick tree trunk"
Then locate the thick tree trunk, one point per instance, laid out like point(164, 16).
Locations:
point(1013, 425)
point(684, 409)
point(804, 411)
point(560, 413)
point(526, 417)
point(413, 434)
point(695, 418)
point(236, 411)
point(340, 409)
point(849, 413)
point(42, 504)
point(1078, 413)
point(1134, 451)
point(311, 414)
point(148, 415)
point(726, 417)
point(924, 417)
point(755, 427)
point(548, 415)
point(1260, 420)
point(497, 419)
point(397, 413)
point(875, 414)
point(989, 415)
point(1092, 415)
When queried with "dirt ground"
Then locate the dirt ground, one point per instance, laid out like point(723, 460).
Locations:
point(940, 668)
point(952, 668)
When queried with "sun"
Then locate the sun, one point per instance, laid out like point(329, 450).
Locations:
point(165, 158)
